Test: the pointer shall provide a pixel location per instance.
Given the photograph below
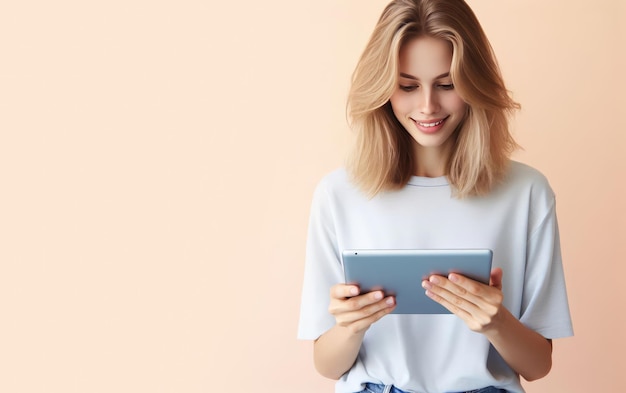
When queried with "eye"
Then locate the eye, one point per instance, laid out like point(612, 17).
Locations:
point(449, 86)
point(407, 88)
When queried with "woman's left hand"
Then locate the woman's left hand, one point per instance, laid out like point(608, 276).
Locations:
point(478, 305)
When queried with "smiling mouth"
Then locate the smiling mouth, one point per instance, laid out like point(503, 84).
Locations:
point(431, 124)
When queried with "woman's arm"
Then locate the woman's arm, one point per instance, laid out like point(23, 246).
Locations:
point(480, 307)
point(335, 351)
point(526, 351)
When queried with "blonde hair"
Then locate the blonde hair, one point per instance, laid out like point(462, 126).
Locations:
point(382, 158)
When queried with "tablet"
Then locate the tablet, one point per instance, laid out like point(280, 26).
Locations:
point(400, 273)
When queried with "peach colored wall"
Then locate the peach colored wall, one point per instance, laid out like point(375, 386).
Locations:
point(157, 161)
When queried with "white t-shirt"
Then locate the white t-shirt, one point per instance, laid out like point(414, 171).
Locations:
point(438, 353)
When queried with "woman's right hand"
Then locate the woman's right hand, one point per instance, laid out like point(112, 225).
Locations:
point(336, 350)
point(357, 311)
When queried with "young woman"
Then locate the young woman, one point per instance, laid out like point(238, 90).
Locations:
point(431, 170)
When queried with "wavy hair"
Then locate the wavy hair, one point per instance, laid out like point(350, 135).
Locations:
point(382, 158)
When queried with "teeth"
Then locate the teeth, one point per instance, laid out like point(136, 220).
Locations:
point(431, 124)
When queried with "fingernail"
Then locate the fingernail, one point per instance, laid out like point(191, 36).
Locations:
point(354, 291)
point(378, 295)
point(434, 279)
point(390, 301)
point(453, 277)
point(426, 285)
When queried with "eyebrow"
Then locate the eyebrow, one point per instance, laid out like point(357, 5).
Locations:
point(444, 75)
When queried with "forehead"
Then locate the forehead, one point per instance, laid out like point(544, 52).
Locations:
point(425, 57)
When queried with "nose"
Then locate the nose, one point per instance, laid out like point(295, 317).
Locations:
point(429, 103)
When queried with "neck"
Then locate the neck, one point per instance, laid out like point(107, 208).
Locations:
point(431, 161)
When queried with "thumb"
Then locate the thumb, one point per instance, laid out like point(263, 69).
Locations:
point(496, 278)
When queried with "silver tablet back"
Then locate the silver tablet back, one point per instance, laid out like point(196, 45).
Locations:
point(400, 273)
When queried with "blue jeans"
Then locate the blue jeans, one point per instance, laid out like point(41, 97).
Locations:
point(377, 388)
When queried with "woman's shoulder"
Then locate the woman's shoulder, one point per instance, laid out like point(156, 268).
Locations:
point(336, 176)
point(523, 179)
point(337, 186)
point(520, 169)
point(525, 175)
point(336, 180)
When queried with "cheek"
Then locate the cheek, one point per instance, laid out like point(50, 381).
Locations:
point(400, 106)
point(456, 104)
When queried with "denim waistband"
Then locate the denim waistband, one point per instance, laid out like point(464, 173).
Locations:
point(379, 388)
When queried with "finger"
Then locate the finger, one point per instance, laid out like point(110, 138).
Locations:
point(338, 306)
point(365, 323)
point(464, 287)
point(463, 294)
point(496, 278)
point(458, 285)
point(364, 317)
point(475, 303)
point(342, 291)
point(455, 298)
point(469, 318)
point(365, 312)
point(486, 298)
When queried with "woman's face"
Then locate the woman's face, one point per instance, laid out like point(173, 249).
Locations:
point(425, 101)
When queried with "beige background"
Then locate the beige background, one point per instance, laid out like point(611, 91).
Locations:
point(157, 160)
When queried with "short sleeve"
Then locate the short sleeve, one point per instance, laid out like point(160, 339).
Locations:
point(322, 268)
point(545, 307)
